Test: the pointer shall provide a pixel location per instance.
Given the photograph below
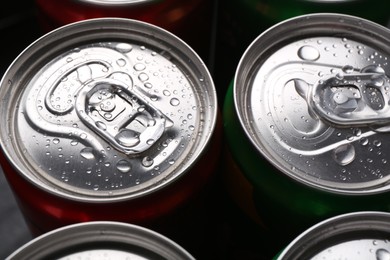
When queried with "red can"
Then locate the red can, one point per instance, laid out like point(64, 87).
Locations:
point(107, 119)
point(190, 20)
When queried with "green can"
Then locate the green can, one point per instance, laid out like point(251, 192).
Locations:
point(306, 122)
point(241, 21)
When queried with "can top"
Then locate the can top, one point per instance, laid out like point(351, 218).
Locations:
point(358, 235)
point(312, 94)
point(101, 240)
point(106, 109)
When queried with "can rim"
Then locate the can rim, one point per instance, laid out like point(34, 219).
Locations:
point(120, 25)
point(279, 37)
point(77, 235)
point(351, 223)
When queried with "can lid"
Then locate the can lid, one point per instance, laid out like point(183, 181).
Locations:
point(101, 240)
point(312, 94)
point(358, 235)
point(106, 109)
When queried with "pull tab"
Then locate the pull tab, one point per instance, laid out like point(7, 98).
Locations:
point(354, 99)
point(120, 116)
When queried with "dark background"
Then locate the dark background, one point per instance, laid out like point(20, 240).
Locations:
point(18, 28)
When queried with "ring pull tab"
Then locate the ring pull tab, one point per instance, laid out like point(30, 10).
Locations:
point(120, 116)
point(354, 99)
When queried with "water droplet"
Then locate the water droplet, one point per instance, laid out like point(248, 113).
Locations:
point(357, 132)
point(143, 77)
point(127, 138)
point(150, 141)
point(74, 143)
point(139, 66)
point(56, 141)
point(166, 93)
point(87, 153)
point(377, 143)
point(308, 53)
point(123, 166)
point(121, 62)
point(344, 154)
point(101, 125)
point(382, 254)
point(174, 102)
point(363, 141)
point(124, 47)
point(339, 76)
point(147, 161)
point(148, 85)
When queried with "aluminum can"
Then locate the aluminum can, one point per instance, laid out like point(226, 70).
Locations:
point(192, 21)
point(305, 121)
point(357, 235)
point(101, 240)
point(241, 21)
point(107, 119)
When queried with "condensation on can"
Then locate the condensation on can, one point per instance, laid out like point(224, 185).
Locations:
point(306, 120)
point(352, 236)
point(107, 119)
point(101, 240)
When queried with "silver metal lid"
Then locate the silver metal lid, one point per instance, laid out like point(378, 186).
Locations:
point(352, 236)
point(313, 96)
point(101, 240)
point(106, 109)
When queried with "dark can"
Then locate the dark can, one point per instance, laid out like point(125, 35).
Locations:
point(357, 235)
point(101, 240)
point(107, 119)
point(305, 122)
point(241, 21)
point(189, 20)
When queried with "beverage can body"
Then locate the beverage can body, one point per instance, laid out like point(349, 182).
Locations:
point(302, 120)
point(101, 240)
point(107, 120)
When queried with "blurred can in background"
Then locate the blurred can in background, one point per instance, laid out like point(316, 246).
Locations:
point(101, 240)
point(241, 21)
point(191, 20)
point(106, 119)
point(306, 122)
point(357, 235)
